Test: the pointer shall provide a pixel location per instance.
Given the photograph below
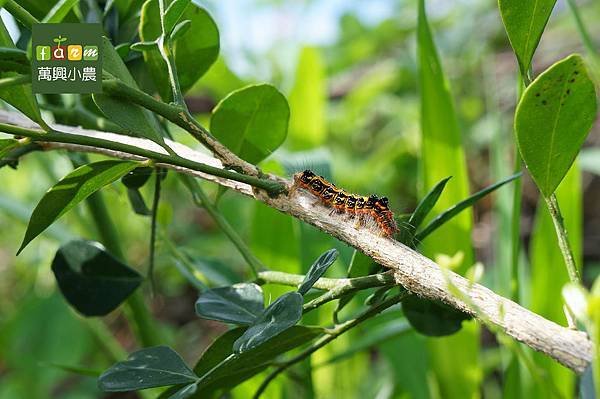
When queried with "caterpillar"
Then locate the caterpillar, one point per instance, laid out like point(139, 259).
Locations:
point(365, 209)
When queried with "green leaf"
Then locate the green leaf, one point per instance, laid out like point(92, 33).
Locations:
point(282, 314)
point(432, 318)
point(238, 304)
point(246, 364)
point(181, 29)
point(524, 22)
point(195, 51)
point(308, 101)
point(14, 60)
point(173, 12)
point(71, 190)
point(143, 46)
point(137, 177)
point(252, 122)
point(157, 366)
point(451, 212)
point(427, 204)
point(317, 270)
point(92, 280)
point(134, 119)
point(185, 392)
point(6, 145)
point(553, 118)
point(59, 11)
point(19, 96)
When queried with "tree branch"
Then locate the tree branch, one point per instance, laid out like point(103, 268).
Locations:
point(412, 270)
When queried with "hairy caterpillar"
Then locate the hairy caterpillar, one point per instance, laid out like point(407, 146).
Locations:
point(365, 209)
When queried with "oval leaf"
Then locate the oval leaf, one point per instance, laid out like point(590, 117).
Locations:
point(181, 29)
point(238, 304)
point(157, 366)
point(524, 22)
point(252, 122)
point(195, 51)
point(282, 314)
point(6, 145)
point(552, 120)
point(317, 270)
point(71, 190)
point(432, 318)
point(173, 13)
point(92, 280)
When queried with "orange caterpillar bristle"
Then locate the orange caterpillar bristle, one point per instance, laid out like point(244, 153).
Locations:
point(366, 208)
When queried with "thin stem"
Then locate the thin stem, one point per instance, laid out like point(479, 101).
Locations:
point(331, 335)
point(166, 50)
point(137, 311)
point(14, 80)
point(21, 14)
point(336, 288)
point(59, 137)
point(563, 239)
point(155, 203)
point(187, 264)
point(180, 116)
point(583, 32)
point(202, 200)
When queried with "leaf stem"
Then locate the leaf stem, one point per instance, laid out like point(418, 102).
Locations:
point(202, 200)
point(330, 336)
point(563, 239)
point(20, 13)
point(270, 186)
point(155, 202)
point(14, 80)
point(166, 51)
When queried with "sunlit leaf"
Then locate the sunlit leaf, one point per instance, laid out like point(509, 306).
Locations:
point(91, 279)
point(553, 119)
point(524, 22)
point(252, 122)
point(195, 51)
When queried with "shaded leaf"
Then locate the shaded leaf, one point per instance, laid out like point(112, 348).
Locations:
point(134, 119)
point(252, 122)
point(137, 202)
point(185, 392)
point(432, 318)
point(92, 280)
point(238, 304)
point(71, 190)
point(247, 364)
point(14, 60)
point(6, 145)
point(553, 118)
point(19, 96)
point(317, 270)
point(137, 177)
point(157, 366)
point(282, 314)
point(194, 52)
point(524, 22)
point(462, 205)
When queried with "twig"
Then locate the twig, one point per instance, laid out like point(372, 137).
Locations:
point(412, 270)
